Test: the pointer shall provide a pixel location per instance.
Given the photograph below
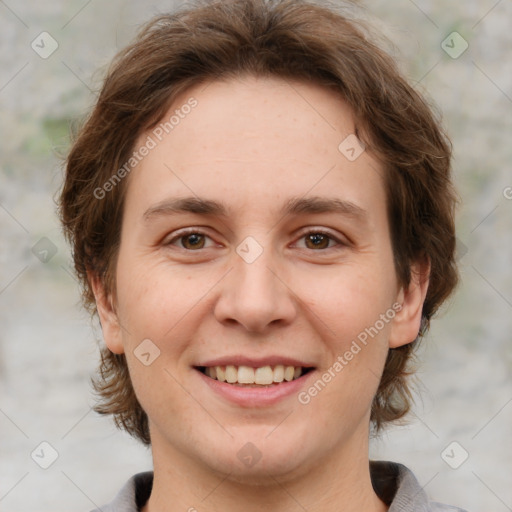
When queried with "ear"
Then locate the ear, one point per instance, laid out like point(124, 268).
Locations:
point(407, 321)
point(108, 316)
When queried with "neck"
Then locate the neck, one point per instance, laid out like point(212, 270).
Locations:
point(340, 483)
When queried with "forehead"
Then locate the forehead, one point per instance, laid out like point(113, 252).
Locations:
point(256, 138)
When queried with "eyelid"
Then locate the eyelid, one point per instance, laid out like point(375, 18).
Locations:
point(323, 231)
point(306, 231)
point(177, 235)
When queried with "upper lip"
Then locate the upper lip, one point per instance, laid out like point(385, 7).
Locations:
point(255, 362)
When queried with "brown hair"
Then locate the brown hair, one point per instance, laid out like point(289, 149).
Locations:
point(293, 39)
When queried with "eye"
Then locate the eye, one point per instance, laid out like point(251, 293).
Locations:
point(320, 240)
point(193, 240)
point(190, 240)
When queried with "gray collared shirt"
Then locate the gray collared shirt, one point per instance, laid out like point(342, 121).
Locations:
point(395, 485)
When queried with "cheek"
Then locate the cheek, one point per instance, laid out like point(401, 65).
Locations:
point(154, 296)
point(353, 315)
point(355, 325)
point(347, 299)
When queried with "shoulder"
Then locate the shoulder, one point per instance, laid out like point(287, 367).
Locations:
point(397, 486)
point(132, 496)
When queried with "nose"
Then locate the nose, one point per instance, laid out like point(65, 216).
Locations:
point(256, 294)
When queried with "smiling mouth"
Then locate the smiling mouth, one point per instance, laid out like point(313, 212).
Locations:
point(247, 376)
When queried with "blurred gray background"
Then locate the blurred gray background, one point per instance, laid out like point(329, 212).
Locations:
point(48, 345)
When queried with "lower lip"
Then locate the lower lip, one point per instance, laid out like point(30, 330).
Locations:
point(256, 397)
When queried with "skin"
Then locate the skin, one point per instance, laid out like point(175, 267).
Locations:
point(254, 143)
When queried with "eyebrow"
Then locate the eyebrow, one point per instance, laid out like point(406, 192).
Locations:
point(294, 206)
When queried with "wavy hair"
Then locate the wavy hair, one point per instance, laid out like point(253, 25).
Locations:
point(291, 39)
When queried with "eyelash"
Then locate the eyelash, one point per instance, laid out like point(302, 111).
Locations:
point(192, 231)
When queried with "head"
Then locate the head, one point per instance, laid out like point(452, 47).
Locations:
point(260, 108)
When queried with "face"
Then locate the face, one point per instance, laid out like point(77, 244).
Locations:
point(256, 296)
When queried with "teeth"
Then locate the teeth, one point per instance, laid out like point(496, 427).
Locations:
point(279, 373)
point(264, 376)
point(245, 375)
point(221, 373)
point(231, 374)
point(288, 373)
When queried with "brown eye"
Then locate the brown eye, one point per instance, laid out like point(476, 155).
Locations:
point(192, 241)
point(317, 241)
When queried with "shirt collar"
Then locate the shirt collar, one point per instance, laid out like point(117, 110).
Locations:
point(394, 483)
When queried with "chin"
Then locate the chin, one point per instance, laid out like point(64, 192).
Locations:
point(259, 459)
point(265, 472)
